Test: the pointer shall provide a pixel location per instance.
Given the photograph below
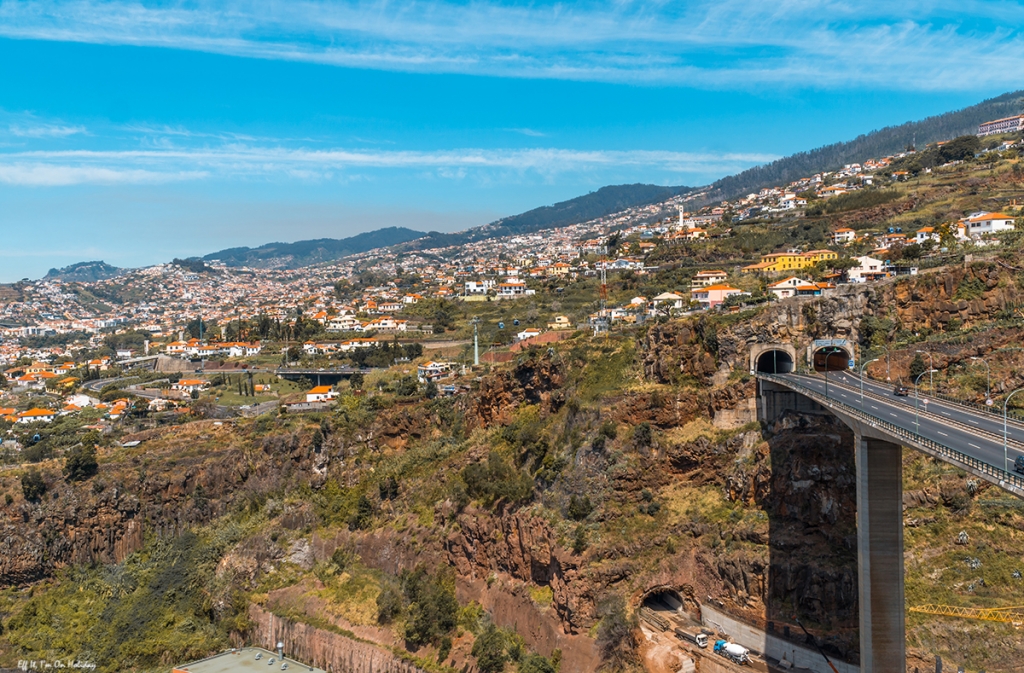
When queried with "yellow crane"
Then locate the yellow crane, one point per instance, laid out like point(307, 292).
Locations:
point(1013, 615)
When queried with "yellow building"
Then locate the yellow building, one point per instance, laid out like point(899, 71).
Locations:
point(778, 262)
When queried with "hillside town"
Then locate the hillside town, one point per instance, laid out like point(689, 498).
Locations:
point(55, 333)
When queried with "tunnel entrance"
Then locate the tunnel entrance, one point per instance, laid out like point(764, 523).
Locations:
point(775, 361)
point(664, 600)
point(832, 359)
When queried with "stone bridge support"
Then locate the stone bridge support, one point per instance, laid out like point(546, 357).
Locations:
point(879, 530)
point(880, 555)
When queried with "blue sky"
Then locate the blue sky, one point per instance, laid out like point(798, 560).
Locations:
point(137, 132)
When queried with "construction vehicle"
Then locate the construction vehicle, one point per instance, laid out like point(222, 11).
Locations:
point(1013, 615)
point(696, 637)
point(735, 653)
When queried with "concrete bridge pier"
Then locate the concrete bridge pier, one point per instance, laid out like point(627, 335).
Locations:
point(880, 555)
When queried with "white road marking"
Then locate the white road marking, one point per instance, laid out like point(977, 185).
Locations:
point(974, 445)
point(874, 407)
point(942, 433)
point(944, 413)
point(970, 421)
point(893, 415)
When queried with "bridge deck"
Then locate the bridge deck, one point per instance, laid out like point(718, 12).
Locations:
point(968, 439)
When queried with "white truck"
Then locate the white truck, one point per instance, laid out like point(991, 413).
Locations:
point(696, 637)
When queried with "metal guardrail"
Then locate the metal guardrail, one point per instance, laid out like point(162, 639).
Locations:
point(925, 412)
point(1013, 416)
point(947, 452)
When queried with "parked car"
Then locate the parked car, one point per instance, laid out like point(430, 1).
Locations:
point(901, 391)
point(1018, 465)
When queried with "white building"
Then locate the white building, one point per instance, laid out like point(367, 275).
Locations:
point(981, 224)
point(479, 286)
point(843, 235)
point(512, 288)
point(868, 268)
point(320, 394)
point(709, 277)
point(787, 287)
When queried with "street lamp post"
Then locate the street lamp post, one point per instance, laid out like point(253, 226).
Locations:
point(862, 366)
point(917, 412)
point(931, 364)
point(834, 350)
point(988, 380)
point(1006, 404)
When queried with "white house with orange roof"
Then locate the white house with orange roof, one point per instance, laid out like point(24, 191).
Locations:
point(982, 223)
point(37, 415)
point(709, 277)
point(321, 394)
point(431, 371)
point(926, 234)
point(843, 235)
point(191, 385)
point(387, 323)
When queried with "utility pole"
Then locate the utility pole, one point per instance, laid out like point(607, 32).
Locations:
point(476, 341)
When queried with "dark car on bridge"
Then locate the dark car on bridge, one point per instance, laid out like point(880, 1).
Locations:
point(1018, 465)
point(901, 391)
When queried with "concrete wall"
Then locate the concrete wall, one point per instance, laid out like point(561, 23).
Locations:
point(771, 645)
point(773, 400)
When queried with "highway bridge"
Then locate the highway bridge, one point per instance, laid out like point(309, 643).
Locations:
point(970, 438)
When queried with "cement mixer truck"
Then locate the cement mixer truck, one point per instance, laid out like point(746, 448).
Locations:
point(732, 651)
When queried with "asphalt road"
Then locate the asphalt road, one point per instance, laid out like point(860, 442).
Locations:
point(985, 444)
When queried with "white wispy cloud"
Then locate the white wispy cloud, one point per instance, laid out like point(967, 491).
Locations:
point(916, 44)
point(528, 132)
point(44, 131)
point(27, 174)
point(68, 167)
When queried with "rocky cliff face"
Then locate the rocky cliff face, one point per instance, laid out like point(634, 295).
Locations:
point(530, 380)
point(165, 487)
point(322, 648)
point(522, 546)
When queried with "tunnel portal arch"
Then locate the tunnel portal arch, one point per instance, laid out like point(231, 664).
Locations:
point(834, 358)
point(775, 361)
point(769, 357)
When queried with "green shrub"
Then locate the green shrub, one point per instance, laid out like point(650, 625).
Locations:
point(489, 650)
point(969, 288)
point(579, 508)
point(80, 463)
point(389, 604)
point(32, 485)
point(363, 514)
point(433, 609)
point(642, 435)
point(579, 539)
point(615, 639)
point(497, 480)
point(388, 488)
point(535, 663)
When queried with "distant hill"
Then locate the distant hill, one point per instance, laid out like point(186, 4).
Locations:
point(303, 253)
point(84, 272)
point(883, 142)
point(604, 201)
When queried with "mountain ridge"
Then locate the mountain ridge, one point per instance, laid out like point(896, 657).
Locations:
point(881, 142)
point(84, 272)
